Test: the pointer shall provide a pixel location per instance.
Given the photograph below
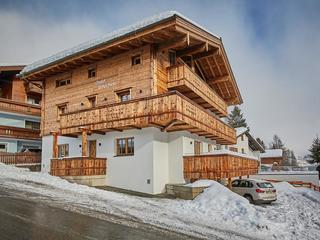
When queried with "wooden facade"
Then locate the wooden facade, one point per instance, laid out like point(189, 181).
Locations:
point(174, 75)
point(19, 133)
point(81, 166)
point(218, 166)
point(272, 160)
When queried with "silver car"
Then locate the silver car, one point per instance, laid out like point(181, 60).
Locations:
point(256, 191)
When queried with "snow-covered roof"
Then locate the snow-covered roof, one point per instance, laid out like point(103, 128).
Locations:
point(269, 153)
point(106, 38)
point(241, 130)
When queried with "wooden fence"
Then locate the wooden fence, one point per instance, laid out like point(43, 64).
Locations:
point(78, 166)
point(20, 158)
point(218, 166)
point(300, 184)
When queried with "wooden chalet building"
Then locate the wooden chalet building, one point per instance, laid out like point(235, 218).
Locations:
point(137, 107)
point(19, 117)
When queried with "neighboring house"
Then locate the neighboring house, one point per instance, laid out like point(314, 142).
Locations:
point(136, 108)
point(272, 156)
point(246, 143)
point(19, 112)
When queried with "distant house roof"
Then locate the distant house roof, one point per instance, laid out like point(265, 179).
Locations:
point(241, 130)
point(253, 143)
point(131, 29)
point(11, 67)
point(272, 153)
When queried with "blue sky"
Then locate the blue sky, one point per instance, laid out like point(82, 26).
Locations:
point(273, 47)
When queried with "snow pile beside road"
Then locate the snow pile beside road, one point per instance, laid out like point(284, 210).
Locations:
point(218, 203)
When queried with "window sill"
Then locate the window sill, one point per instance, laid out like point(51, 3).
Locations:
point(124, 155)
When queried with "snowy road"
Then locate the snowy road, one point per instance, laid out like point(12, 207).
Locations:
point(216, 214)
point(22, 218)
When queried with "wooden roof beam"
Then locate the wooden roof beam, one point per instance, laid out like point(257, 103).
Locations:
point(217, 80)
point(176, 42)
point(192, 50)
point(173, 122)
point(198, 56)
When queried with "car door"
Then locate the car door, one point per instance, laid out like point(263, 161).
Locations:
point(235, 186)
point(243, 185)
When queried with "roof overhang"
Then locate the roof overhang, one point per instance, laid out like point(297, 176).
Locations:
point(188, 36)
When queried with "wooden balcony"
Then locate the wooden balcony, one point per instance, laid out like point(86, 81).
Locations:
point(78, 166)
point(19, 133)
point(20, 158)
point(183, 79)
point(8, 105)
point(171, 111)
point(218, 166)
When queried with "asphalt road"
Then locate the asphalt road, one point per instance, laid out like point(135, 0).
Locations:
point(29, 219)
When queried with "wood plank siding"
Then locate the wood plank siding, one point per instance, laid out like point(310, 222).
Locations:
point(20, 158)
point(183, 79)
point(171, 111)
point(78, 166)
point(19, 133)
point(8, 105)
point(218, 166)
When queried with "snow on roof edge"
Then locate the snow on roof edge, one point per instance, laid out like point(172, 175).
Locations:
point(272, 153)
point(85, 46)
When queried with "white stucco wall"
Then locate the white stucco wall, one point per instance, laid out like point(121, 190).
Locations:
point(158, 157)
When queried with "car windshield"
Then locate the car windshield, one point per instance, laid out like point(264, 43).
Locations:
point(265, 185)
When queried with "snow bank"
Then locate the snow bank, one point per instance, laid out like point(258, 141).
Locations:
point(231, 207)
point(201, 183)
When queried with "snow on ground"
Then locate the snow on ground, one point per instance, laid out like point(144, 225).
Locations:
point(216, 213)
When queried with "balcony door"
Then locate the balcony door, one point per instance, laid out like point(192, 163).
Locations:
point(93, 148)
point(197, 147)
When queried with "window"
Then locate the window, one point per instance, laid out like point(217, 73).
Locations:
point(92, 101)
point(92, 72)
point(125, 146)
point(63, 150)
point(33, 100)
point(61, 110)
point(32, 125)
point(242, 150)
point(235, 183)
point(233, 149)
point(124, 95)
point(3, 147)
point(209, 147)
point(135, 60)
point(63, 82)
point(241, 137)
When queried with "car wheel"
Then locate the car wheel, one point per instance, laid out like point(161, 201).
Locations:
point(249, 198)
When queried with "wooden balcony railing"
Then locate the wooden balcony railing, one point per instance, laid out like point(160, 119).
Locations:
point(19, 107)
point(171, 111)
point(78, 166)
point(183, 79)
point(20, 158)
point(218, 166)
point(19, 133)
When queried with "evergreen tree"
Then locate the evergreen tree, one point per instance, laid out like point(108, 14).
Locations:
point(261, 142)
point(236, 119)
point(315, 150)
point(276, 143)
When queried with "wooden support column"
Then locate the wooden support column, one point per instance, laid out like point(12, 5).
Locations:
point(55, 144)
point(84, 141)
point(240, 177)
point(229, 183)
